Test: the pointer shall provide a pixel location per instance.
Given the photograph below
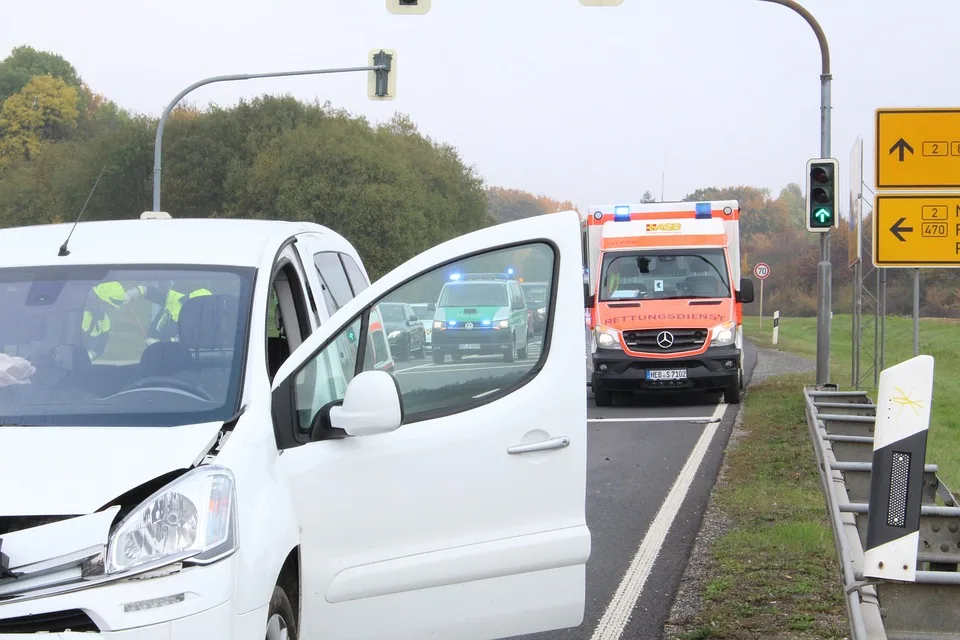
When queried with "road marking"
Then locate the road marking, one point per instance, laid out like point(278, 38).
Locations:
point(621, 606)
point(698, 419)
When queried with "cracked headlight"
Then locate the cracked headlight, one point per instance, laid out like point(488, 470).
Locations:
point(607, 337)
point(723, 334)
point(194, 517)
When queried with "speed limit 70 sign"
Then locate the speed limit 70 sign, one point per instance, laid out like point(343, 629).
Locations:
point(762, 270)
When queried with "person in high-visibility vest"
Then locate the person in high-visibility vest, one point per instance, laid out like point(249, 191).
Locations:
point(164, 324)
point(96, 323)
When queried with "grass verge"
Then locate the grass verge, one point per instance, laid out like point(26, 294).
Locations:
point(938, 338)
point(774, 572)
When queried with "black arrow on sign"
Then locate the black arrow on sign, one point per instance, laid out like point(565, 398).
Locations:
point(901, 145)
point(897, 229)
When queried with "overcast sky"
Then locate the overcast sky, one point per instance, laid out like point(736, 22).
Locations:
point(581, 103)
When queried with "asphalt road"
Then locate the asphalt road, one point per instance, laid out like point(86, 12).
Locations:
point(652, 463)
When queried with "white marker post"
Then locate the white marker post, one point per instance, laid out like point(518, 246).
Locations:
point(896, 477)
point(762, 270)
point(776, 326)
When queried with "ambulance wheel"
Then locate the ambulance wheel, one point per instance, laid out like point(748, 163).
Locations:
point(732, 394)
point(602, 397)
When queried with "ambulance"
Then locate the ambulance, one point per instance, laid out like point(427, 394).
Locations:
point(664, 297)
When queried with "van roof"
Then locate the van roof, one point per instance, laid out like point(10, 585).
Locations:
point(205, 241)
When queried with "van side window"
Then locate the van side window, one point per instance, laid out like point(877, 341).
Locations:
point(357, 279)
point(333, 278)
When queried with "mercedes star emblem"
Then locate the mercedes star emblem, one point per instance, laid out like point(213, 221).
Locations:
point(665, 339)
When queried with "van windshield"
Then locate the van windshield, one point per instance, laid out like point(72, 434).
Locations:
point(474, 294)
point(122, 346)
point(665, 274)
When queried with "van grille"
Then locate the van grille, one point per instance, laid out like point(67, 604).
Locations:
point(56, 622)
point(677, 340)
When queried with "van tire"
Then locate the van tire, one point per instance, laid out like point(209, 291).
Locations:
point(437, 358)
point(732, 394)
point(602, 397)
point(522, 353)
point(508, 355)
point(280, 616)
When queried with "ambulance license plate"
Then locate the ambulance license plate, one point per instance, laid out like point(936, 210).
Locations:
point(667, 374)
point(469, 346)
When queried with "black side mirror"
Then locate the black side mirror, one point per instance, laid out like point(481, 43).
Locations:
point(413, 319)
point(745, 295)
point(321, 429)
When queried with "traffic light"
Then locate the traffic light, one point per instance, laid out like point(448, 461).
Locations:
point(822, 201)
point(382, 83)
point(408, 7)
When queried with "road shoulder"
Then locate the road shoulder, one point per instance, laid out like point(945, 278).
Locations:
point(753, 571)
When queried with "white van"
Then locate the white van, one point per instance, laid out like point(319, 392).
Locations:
point(203, 435)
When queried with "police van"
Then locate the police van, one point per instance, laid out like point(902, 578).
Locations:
point(480, 314)
point(262, 470)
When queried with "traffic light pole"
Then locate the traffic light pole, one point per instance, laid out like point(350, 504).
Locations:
point(231, 78)
point(824, 267)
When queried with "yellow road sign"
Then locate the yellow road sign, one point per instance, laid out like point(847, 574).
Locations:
point(916, 231)
point(918, 148)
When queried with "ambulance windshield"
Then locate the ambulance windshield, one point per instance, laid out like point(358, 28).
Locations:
point(665, 274)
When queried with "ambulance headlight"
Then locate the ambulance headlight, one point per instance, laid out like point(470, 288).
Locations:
point(723, 334)
point(607, 337)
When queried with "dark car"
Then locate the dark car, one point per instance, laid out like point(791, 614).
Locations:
point(535, 294)
point(404, 330)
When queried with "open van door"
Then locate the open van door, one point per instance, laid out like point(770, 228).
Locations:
point(443, 501)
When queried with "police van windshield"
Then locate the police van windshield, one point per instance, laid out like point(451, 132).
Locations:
point(122, 346)
point(474, 294)
point(664, 275)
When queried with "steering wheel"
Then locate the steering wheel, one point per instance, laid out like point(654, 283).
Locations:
point(171, 383)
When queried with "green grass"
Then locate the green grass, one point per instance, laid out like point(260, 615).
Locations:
point(938, 337)
point(774, 573)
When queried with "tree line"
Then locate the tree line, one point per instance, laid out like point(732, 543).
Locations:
point(389, 189)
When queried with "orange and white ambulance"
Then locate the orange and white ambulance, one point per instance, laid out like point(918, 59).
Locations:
point(665, 298)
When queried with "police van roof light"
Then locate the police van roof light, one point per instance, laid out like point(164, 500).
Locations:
point(454, 276)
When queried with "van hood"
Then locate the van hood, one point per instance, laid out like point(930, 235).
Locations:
point(69, 471)
point(700, 313)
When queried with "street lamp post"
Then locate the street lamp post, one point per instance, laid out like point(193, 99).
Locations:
point(824, 267)
point(230, 78)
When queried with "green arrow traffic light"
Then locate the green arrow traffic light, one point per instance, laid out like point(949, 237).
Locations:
point(821, 201)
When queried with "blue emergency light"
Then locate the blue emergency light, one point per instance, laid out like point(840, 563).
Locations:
point(704, 211)
point(510, 272)
point(486, 323)
point(454, 276)
point(621, 213)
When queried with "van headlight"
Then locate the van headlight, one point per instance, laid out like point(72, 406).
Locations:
point(194, 517)
point(607, 337)
point(503, 324)
point(723, 334)
point(393, 335)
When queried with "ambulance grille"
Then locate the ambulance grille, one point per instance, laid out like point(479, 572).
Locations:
point(665, 340)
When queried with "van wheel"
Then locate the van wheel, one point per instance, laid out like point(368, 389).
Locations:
point(732, 394)
point(602, 397)
point(437, 358)
point(508, 355)
point(522, 353)
point(281, 624)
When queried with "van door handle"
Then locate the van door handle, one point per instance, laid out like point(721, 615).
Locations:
point(543, 445)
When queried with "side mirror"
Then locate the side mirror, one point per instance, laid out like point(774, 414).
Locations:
point(432, 306)
point(370, 406)
point(587, 297)
point(745, 295)
point(413, 318)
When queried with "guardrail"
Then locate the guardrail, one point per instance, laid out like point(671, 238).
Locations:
point(841, 425)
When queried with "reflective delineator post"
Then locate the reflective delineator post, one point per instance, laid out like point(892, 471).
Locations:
point(896, 478)
point(776, 326)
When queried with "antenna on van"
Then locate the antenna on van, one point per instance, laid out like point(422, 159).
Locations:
point(63, 248)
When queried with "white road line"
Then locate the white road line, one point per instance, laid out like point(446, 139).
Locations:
point(698, 419)
point(621, 606)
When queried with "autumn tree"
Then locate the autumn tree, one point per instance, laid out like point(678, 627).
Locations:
point(42, 110)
